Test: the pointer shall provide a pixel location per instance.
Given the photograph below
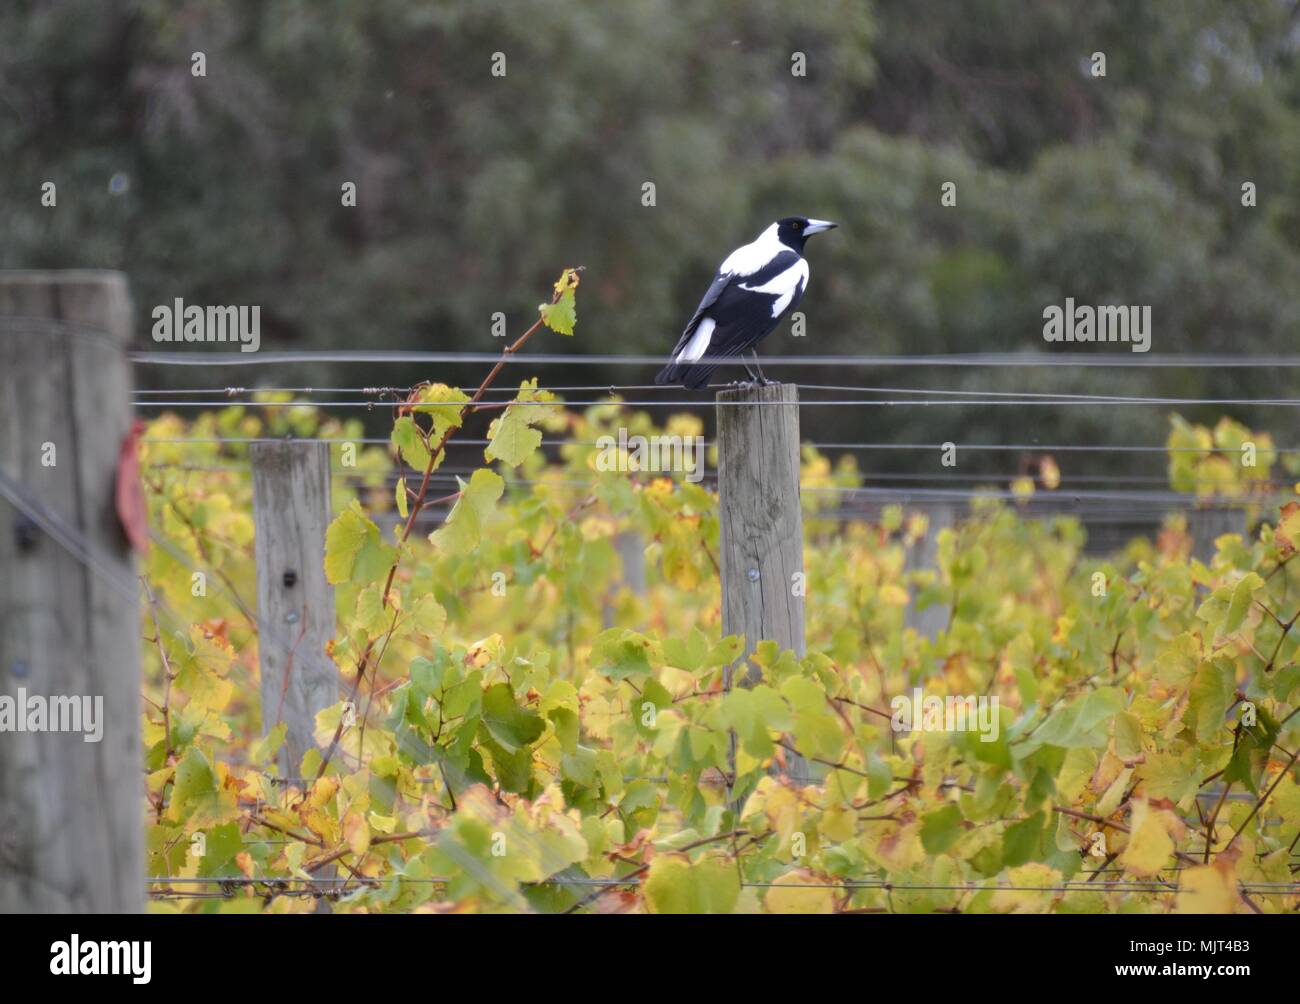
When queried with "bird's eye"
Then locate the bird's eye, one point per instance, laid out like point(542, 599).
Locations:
point(798, 226)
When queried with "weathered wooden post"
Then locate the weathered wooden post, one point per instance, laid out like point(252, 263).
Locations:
point(295, 603)
point(1208, 524)
point(923, 555)
point(71, 802)
point(630, 547)
point(761, 562)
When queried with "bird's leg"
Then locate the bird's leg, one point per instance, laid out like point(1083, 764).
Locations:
point(752, 378)
point(762, 380)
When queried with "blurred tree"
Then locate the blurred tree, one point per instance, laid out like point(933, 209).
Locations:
point(473, 187)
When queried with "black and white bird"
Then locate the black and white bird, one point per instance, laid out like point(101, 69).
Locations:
point(754, 287)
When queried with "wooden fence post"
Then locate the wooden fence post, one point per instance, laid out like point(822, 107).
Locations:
point(295, 603)
point(762, 525)
point(71, 805)
point(630, 547)
point(924, 556)
point(1208, 524)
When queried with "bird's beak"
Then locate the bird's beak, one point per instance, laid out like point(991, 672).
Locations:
point(817, 226)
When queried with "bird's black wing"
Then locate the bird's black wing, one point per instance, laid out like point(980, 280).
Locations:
point(720, 282)
point(743, 317)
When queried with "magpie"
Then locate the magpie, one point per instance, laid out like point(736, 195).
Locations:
point(754, 286)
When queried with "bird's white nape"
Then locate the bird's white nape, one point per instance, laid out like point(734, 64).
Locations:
point(749, 258)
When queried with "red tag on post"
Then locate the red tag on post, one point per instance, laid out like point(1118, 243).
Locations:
point(131, 509)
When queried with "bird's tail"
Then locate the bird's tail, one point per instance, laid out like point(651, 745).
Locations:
point(687, 375)
point(669, 374)
point(698, 375)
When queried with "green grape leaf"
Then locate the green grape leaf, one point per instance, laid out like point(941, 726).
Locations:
point(462, 531)
point(1227, 606)
point(428, 617)
point(399, 497)
point(619, 653)
point(220, 845)
point(444, 405)
point(410, 443)
point(562, 315)
point(1208, 700)
point(754, 714)
point(1022, 841)
point(941, 829)
point(512, 438)
point(675, 885)
point(1081, 722)
point(354, 551)
point(511, 726)
point(1251, 750)
point(1170, 775)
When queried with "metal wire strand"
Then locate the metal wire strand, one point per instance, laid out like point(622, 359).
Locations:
point(990, 360)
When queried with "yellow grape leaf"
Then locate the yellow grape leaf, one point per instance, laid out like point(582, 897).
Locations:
point(294, 856)
point(799, 892)
point(675, 885)
point(356, 831)
point(444, 406)
point(384, 824)
point(323, 791)
point(1288, 528)
point(399, 496)
point(1114, 793)
point(372, 616)
point(561, 315)
point(201, 663)
point(322, 824)
point(893, 595)
point(1011, 899)
point(1207, 889)
point(264, 750)
point(428, 616)
point(1150, 844)
point(1049, 473)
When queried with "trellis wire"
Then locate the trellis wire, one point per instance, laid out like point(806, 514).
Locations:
point(68, 538)
point(867, 476)
point(928, 447)
point(1259, 888)
point(75, 543)
point(806, 403)
point(1001, 360)
point(940, 396)
point(899, 493)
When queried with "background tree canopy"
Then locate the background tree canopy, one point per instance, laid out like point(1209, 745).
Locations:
point(474, 189)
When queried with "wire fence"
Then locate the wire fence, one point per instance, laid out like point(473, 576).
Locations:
point(1101, 498)
point(1114, 503)
point(990, 360)
point(336, 887)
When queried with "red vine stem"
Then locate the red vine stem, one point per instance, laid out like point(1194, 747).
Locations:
point(419, 503)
